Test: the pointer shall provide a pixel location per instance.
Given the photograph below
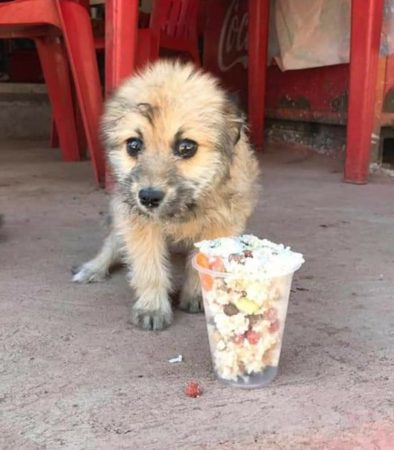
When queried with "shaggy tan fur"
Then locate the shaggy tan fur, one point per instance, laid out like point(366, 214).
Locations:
point(207, 195)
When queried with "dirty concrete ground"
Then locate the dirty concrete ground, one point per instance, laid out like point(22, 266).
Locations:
point(75, 374)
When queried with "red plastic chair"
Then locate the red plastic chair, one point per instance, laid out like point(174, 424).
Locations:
point(173, 26)
point(176, 23)
point(47, 21)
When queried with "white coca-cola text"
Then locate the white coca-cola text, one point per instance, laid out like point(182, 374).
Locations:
point(233, 41)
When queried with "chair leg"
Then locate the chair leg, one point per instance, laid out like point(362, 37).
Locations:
point(54, 137)
point(257, 60)
point(121, 24)
point(364, 61)
point(82, 144)
point(82, 56)
point(57, 77)
point(147, 47)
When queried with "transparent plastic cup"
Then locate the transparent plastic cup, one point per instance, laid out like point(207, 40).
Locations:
point(245, 320)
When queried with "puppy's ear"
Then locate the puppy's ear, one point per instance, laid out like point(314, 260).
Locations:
point(235, 119)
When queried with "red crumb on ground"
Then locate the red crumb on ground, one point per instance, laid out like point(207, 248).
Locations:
point(193, 390)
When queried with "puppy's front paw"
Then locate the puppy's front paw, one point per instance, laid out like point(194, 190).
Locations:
point(88, 273)
point(192, 304)
point(151, 319)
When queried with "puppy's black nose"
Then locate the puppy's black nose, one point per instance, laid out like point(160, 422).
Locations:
point(150, 197)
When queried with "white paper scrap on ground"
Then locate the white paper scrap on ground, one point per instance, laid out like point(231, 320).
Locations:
point(177, 359)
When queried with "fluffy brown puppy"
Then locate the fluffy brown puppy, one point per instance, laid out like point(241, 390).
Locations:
point(184, 171)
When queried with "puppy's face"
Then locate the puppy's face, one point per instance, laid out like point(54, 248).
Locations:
point(170, 135)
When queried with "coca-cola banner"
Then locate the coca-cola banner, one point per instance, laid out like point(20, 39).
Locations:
point(225, 44)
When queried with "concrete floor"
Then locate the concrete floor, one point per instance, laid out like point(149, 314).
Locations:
point(75, 374)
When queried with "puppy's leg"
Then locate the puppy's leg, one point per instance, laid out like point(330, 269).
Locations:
point(148, 257)
point(191, 298)
point(97, 268)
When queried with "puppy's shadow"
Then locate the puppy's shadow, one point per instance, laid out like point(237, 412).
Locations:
point(178, 262)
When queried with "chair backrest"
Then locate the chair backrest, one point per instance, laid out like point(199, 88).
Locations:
point(85, 3)
point(175, 18)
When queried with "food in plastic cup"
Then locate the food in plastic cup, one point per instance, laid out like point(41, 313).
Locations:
point(246, 284)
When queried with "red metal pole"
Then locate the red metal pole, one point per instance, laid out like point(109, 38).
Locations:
point(364, 57)
point(121, 27)
point(257, 60)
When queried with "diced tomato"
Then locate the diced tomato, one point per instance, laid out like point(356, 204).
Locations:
point(206, 281)
point(216, 264)
point(193, 390)
point(274, 327)
point(202, 260)
point(253, 337)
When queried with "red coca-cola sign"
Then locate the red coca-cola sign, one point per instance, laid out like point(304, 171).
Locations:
point(225, 44)
point(233, 39)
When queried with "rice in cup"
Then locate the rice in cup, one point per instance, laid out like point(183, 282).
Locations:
point(246, 285)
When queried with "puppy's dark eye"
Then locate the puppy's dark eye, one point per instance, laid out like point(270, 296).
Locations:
point(134, 146)
point(185, 148)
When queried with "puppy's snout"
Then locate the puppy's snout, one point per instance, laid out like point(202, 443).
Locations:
point(150, 197)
